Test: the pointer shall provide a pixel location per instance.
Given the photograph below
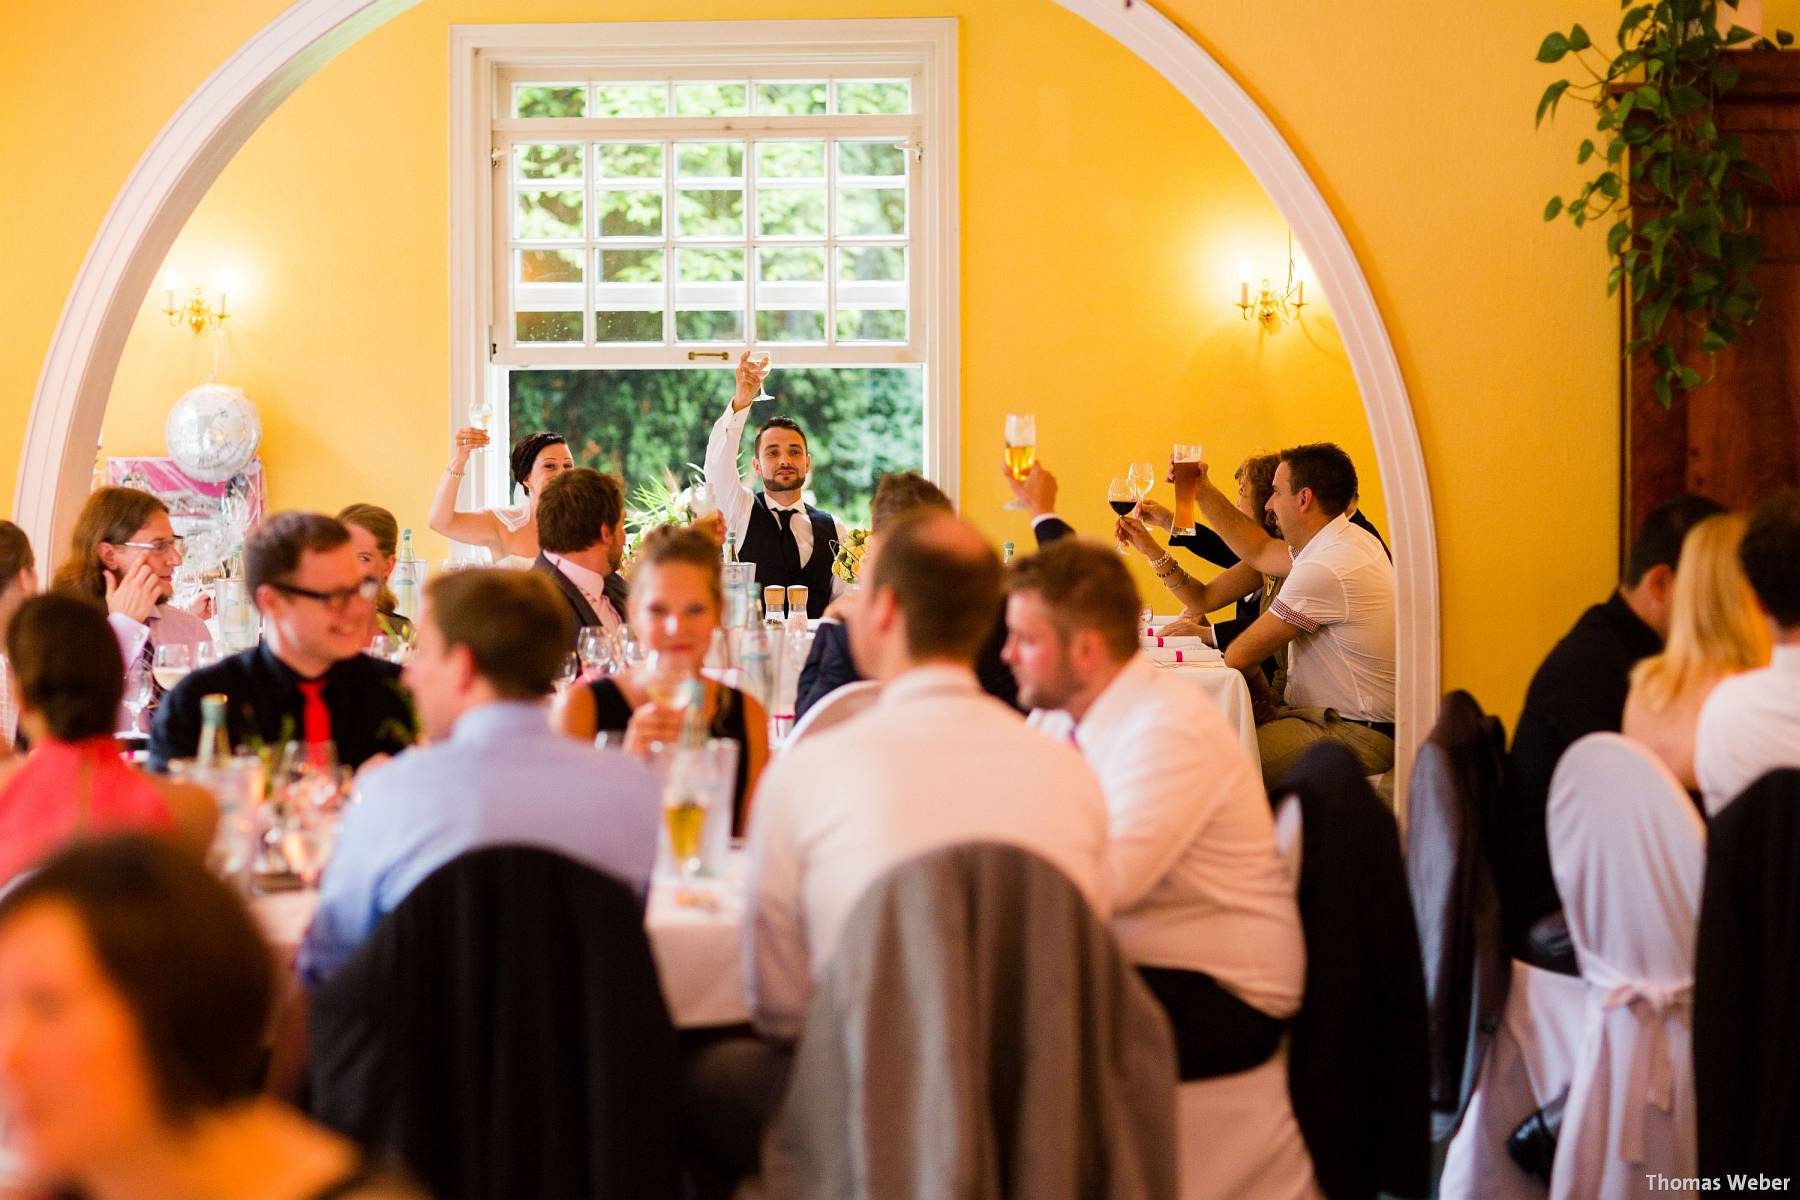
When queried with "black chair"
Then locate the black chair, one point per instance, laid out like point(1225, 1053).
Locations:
point(1747, 985)
point(503, 1034)
point(1450, 875)
point(1358, 1064)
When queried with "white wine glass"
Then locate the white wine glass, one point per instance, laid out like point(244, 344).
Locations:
point(136, 698)
point(171, 664)
point(568, 673)
point(481, 414)
point(666, 677)
point(761, 360)
point(1143, 477)
point(1021, 451)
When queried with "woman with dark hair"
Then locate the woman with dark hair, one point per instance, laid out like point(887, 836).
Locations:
point(375, 535)
point(73, 783)
point(134, 994)
point(507, 534)
point(18, 579)
point(675, 605)
point(123, 554)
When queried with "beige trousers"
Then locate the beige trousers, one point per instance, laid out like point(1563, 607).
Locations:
point(1282, 741)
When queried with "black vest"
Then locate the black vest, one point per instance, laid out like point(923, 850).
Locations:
point(762, 546)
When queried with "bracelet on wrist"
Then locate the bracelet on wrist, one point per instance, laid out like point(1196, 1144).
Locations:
point(448, 471)
point(1160, 563)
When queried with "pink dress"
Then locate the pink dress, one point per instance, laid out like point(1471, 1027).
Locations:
point(65, 790)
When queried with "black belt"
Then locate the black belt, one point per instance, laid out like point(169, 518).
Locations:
point(1381, 727)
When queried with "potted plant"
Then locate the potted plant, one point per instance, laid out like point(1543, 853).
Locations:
point(1675, 188)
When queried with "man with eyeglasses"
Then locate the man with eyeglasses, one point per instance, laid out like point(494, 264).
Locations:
point(308, 681)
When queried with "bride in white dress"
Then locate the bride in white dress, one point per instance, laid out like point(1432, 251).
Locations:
point(509, 535)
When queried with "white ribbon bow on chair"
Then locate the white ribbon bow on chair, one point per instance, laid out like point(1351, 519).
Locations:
point(1652, 1077)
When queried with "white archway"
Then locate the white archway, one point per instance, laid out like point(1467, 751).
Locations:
point(219, 117)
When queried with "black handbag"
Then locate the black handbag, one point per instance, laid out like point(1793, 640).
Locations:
point(1532, 1146)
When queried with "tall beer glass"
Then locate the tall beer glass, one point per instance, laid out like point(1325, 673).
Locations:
point(1021, 450)
point(1184, 460)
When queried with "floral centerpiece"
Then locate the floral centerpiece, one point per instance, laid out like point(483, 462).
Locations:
point(847, 560)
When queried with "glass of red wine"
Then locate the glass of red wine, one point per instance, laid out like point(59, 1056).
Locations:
point(1122, 497)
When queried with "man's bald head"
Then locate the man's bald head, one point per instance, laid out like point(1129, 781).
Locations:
point(946, 583)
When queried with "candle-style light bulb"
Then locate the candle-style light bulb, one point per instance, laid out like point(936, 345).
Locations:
point(226, 284)
point(1244, 282)
point(171, 281)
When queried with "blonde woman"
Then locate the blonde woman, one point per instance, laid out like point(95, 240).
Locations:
point(1715, 630)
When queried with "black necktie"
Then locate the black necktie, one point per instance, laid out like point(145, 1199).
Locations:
point(790, 549)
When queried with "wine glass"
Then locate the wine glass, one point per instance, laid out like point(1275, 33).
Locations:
point(171, 664)
point(481, 412)
point(760, 359)
point(594, 649)
point(666, 678)
point(1021, 451)
point(1143, 477)
point(1122, 497)
point(136, 698)
point(205, 655)
point(569, 673)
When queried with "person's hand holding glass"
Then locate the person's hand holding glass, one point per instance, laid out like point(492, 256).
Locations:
point(1122, 498)
point(1021, 452)
point(1130, 531)
point(667, 680)
point(753, 367)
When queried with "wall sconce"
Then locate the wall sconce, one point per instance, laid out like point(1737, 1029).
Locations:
point(195, 313)
point(1269, 306)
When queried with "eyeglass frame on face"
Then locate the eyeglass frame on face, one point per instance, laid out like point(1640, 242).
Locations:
point(335, 601)
point(163, 546)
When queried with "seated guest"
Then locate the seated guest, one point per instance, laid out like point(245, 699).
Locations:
point(509, 535)
point(1580, 689)
point(123, 554)
point(1201, 900)
point(18, 579)
point(1715, 631)
point(375, 535)
point(73, 783)
point(581, 527)
point(495, 773)
point(1751, 723)
point(935, 763)
point(829, 665)
point(308, 681)
point(134, 994)
point(1334, 613)
point(675, 607)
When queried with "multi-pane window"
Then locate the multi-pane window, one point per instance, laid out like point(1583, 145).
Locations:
point(657, 220)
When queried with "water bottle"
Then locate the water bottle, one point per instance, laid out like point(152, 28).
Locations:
point(215, 740)
point(753, 656)
point(405, 579)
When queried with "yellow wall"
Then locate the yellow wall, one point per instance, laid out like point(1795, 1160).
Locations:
point(1413, 117)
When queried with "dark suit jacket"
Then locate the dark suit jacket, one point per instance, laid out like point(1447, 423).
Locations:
point(616, 590)
point(829, 667)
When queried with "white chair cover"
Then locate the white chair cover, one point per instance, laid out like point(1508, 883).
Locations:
point(1530, 1063)
point(1628, 851)
point(834, 708)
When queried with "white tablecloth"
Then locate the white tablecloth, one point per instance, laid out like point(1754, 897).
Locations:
point(1227, 689)
point(696, 948)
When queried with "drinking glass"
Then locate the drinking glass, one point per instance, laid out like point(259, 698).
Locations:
point(666, 677)
point(1122, 498)
point(205, 655)
point(594, 649)
point(1143, 477)
point(481, 411)
point(627, 652)
point(697, 791)
point(570, 672)
point(1184, 462)
point(1021, 451)
point(171, 664)
point(760, 359)
point(384, 646)
point(702, 502)
point(136, 698)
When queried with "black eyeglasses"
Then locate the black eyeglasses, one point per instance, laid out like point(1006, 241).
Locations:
point(337, 600)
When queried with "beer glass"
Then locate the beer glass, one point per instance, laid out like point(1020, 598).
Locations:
point(1021, 451)
point(1122, 497)
point(1184, 460)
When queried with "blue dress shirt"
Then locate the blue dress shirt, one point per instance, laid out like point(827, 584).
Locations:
point(503, 777)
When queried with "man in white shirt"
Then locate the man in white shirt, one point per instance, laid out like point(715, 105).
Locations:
point(1751, 722)
point(1201, 900)
point(581, 540)
point(1335, 608)
point(935, 763)
point(789, 540)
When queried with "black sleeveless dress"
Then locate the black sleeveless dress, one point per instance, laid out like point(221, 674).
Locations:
point(612, 713)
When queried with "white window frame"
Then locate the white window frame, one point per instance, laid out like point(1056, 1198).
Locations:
point(923, 50)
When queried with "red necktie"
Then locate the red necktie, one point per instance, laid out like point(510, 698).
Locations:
point(315, 718)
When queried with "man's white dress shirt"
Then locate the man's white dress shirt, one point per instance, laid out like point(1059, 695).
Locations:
point(936, 762)
point(1340, 596)
point(736, 500)
point(1197, 883)
point(1749, 726)
point(592, 586)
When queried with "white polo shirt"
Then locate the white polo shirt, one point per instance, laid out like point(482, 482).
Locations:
point(1340, 596)
point(1749, 726)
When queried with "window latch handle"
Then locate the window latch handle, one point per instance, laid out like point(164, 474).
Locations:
point(721, 355)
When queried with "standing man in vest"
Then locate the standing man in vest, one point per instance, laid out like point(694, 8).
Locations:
point(788, 539)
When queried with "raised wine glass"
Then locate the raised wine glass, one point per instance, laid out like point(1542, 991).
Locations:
point(666, 678)
point(1122, 497)
point(760, 359)
point(1021, 451)
point(1143, 477)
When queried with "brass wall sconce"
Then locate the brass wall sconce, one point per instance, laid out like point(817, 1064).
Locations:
point(1270, 306)
point(195, 312)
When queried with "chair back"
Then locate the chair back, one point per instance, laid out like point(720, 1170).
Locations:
point(1358, 1067)
point(977, 1034)
point(1456, 904)
point(1747, 985)
point(1628, 849)
point(503, 1034)
point(834, 708)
